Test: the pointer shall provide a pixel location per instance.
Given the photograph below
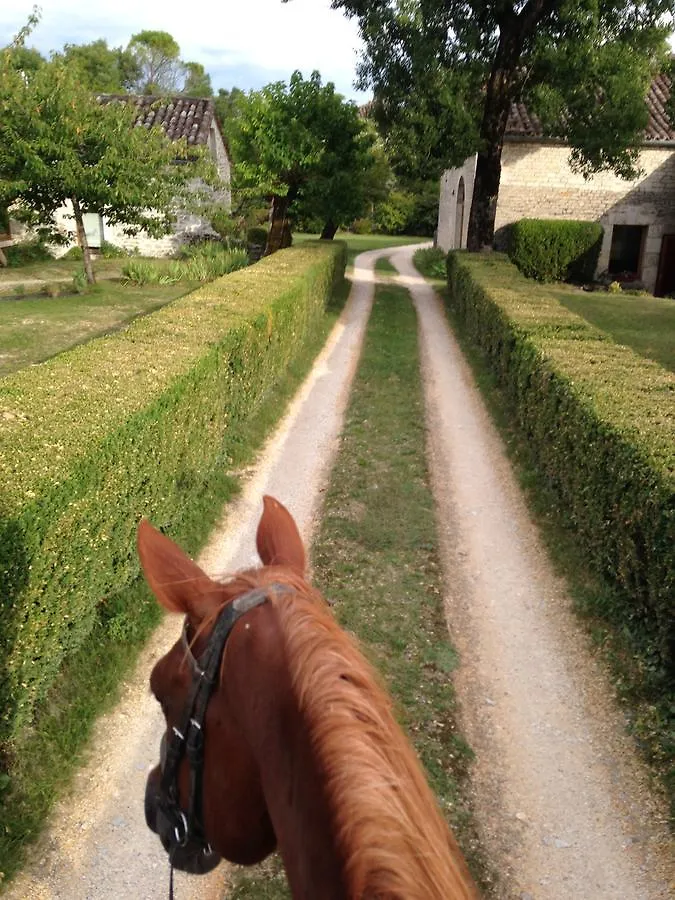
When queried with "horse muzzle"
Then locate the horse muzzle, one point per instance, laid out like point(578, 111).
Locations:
point(185, 853)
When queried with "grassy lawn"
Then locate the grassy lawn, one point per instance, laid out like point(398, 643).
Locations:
point(376, 557)
point(56, 270)
point(646, 324)
point(33, 329)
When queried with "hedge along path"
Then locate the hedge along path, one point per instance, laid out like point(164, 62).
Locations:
point(561, 799)
point(131, 424)
point(97, 845)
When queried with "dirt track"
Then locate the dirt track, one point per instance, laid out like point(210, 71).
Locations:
point(562, 802)
point(561, 799)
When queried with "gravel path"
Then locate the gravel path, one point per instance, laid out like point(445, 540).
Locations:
point(560, 797)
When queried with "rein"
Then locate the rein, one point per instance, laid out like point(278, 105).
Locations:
point(187, 739)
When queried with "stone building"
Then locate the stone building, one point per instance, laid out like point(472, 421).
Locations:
point(638, 217)
point(180, 117)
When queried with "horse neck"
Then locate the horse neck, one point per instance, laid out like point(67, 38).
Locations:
point(351, 809)
point(294, 787)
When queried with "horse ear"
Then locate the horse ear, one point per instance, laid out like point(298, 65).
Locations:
point(278, 539)
point(177, 582)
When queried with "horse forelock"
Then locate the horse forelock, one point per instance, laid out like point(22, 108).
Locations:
point(392, 834)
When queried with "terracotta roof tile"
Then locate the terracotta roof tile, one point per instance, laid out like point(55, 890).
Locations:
point(180, 117)
point(660, 128)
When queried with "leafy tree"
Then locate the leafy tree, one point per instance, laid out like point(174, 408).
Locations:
point(295, 139)
point(445, 73)
point(344, 183)
point(27, 59)
point(58, 144)
point(197, 81)
point(106, 70)
point(228, 106)
point(157, 57)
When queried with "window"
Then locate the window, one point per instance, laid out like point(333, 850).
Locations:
point(625, 256)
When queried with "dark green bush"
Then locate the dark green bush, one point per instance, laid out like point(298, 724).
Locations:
point(27, 252)
point(257, 234)
point(600, 423)
point(138, 423)
point(555, 249)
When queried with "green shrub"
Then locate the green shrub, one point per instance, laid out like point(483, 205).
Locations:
point(600, 423)
point(257, 235)
point(142, 422)
point(74, 253)
point(26, 252)
point(431, 262)
point(80, 282)
point(362, 226)
point(393, 214)
point(112, 251)
point(140, 272)
point(555, 249)
point(228, 228)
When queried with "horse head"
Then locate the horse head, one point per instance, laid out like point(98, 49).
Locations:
point(205, 798)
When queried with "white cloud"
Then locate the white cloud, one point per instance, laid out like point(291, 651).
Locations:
point(259, 34)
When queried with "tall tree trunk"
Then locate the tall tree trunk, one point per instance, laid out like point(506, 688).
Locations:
point(329, 230)
point(3, 259)
point(82, 241)
point(515, 31)
point(280, 227)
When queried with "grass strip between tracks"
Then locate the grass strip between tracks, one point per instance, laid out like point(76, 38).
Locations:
point(376, 557)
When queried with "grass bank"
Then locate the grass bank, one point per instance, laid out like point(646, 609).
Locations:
point(376, 557)
point(649, 712)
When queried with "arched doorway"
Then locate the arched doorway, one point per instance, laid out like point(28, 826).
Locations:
point(459, 215)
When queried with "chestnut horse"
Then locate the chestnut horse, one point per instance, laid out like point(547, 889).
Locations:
point(292, 743)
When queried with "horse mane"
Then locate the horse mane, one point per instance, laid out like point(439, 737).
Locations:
point(393, 837)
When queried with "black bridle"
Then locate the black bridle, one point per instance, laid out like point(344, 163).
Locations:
point(180, 830)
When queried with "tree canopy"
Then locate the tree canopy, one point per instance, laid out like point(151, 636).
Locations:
point(445, 73)
point(301, 141)
point(106, 70)
point(59, 144)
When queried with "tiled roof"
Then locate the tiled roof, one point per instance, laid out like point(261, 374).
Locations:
point(522, 124)
point(180, 117)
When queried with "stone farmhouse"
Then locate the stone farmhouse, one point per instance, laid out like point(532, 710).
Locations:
point(180, 117)
point(537, 182)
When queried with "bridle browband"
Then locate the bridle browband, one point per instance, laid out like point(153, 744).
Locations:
point(187, 738)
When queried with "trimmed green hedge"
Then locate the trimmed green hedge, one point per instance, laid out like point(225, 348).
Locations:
point(600, 422)
point(137, 423)
point(555, 249)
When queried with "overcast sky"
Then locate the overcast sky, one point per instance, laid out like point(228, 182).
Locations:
point(241, 43)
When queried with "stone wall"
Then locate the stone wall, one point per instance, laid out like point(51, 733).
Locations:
point(449, 222)
point(537, 182)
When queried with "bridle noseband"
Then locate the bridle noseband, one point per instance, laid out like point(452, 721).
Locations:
point(185, 830)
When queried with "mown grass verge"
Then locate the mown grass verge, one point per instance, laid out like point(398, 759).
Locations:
point(43, 754)
point(376, 557)
point(623, 635)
